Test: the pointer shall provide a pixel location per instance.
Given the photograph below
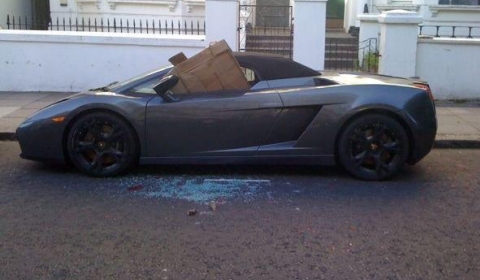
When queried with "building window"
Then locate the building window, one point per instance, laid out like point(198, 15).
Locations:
point(459, 2)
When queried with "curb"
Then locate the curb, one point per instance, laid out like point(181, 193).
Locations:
point(8, 136)
point(438, 144)
point(456, 144)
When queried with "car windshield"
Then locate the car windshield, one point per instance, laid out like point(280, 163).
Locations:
point(114, 87)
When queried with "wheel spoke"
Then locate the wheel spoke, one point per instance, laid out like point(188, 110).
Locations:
point(379, 131)
point(392, 146)
point(83, 146)
point(359, 138)
point(380, 165)
point(96, 164)
point(119, 156)
point(93, 128)
point(115, 134)
point(360, 158)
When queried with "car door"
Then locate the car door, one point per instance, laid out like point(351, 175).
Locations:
point(225, 123)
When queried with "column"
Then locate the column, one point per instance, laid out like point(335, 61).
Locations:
point(309, 33)
point(398, 43)
point(221, 21)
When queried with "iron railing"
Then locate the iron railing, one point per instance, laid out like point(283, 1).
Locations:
point(368, 56)
point(449, 31)
point(110, 25)
point(459, 2)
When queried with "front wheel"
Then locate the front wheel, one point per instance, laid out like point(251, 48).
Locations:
point(373, 147)
point(101, 145)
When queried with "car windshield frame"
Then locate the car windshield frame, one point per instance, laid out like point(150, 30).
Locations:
point(127, 85)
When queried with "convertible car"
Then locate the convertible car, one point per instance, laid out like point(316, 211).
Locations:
point(370, 125)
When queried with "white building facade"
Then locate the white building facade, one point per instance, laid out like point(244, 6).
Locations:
point(460, 13)
point(184, 10)
point(129, 9)
point(17, 8)
point(23, 14)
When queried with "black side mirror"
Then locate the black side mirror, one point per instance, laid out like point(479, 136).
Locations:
point(163, 87)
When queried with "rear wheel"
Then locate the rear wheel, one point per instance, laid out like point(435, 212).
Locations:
point(101, 144)
point(373, 147)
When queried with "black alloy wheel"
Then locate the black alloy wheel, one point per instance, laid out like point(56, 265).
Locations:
point(373, 147)
point(101, 145)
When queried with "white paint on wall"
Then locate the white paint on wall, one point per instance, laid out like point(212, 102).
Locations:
point(451, 66)
point(73, 61)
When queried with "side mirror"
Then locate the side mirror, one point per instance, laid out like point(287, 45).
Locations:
point(163, 87)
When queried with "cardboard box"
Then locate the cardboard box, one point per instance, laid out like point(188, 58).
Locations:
point(214, 68)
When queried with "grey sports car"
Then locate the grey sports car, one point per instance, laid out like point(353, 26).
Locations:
point(370, 125)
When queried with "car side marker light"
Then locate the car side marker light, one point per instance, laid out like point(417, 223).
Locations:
point(58, 119)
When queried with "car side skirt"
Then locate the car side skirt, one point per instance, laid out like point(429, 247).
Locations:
point(264, 160)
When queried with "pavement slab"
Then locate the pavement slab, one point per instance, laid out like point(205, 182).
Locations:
point(7, 110)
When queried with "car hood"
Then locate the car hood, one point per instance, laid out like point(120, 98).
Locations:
point(99, 93)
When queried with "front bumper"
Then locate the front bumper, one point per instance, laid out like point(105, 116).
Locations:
point(41, 140)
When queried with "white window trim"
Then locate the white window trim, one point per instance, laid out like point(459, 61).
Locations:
point(190, 4)
point(413, 8)
point(435, 9)
point(80, 3)
point(170, 3)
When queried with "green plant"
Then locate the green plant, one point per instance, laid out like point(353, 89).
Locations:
point(370, 62)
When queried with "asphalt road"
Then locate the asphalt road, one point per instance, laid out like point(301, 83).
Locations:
point(249, 222)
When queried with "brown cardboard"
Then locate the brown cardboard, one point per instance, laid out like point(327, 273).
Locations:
point(214, 68)
point(177, 59)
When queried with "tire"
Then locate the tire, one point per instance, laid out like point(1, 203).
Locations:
point(102, 145)
point(374, 147)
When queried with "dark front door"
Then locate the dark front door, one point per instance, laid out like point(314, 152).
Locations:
point(335, 13)
point(272, 13)
point(40, 14)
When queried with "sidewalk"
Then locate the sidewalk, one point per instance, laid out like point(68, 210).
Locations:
point(17, 106)
point(458, 122)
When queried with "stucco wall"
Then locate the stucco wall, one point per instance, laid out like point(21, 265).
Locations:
point(69, 61)
point(451, 66)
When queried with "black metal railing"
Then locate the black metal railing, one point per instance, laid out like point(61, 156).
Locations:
point(368, 55)
point(459, 2)
point(449, 31)
point(110, 25)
